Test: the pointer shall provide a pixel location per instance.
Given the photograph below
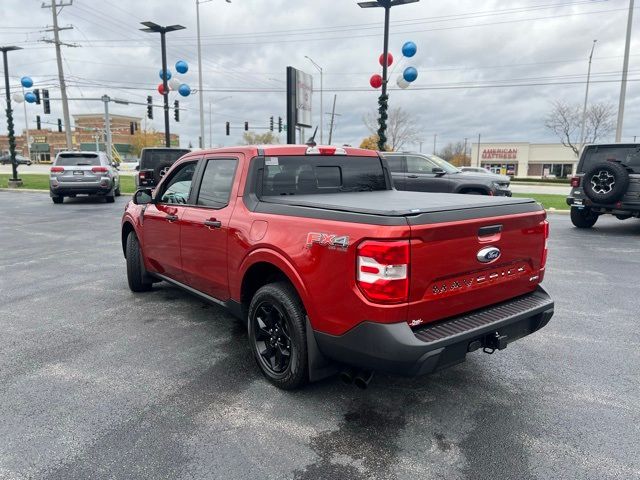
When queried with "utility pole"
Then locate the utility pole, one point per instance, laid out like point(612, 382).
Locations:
point(464, 156)
point(421, 142)
point(435, 136)
point(333, 116)
point(586, 97)
point(478, 152)
point(63, 88)
point(107, 127)
point(625, 71)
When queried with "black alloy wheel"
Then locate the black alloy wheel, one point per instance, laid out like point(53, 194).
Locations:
point(272, 338)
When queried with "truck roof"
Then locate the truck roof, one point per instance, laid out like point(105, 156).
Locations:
point(275, 150)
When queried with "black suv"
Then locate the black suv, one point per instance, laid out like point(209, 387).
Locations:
point(428, 173)
point(155, 162)
point(607, 181)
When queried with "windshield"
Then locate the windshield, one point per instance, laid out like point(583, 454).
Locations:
point(153, 157)
point(321, 174)
point(443, 164)
point(75, 159)
point(629, 156)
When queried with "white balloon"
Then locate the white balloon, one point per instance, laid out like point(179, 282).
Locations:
point(17, 97)
point(402, 83)
point(174, 84)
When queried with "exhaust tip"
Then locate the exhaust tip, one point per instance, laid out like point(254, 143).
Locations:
point(347, 376)
point(362, 379)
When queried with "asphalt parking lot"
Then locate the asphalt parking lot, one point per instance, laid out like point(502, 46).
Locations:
point(97, 382)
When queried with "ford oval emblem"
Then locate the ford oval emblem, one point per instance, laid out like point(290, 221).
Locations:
point(488, 254)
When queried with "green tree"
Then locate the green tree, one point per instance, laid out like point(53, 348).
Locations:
point(252, 138)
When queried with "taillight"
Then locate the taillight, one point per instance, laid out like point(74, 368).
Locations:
point(99, 169)
point(57, 169)
point(142, 175)
point(545, 252)
point(383, 270)
point(575, 182)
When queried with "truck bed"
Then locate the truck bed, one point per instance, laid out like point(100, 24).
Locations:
point(410, 207)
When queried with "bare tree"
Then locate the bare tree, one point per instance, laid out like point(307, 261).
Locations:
point(252, 138)
point(565, 120)
point(401, 128)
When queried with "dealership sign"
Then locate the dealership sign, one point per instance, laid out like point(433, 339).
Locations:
point(501, 153)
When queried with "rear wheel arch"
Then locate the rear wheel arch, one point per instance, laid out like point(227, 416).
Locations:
point(474, 190)
point(258, 275)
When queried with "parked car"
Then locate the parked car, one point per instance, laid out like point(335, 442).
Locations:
point(607, 182)
point(155, 162)
point(20, 160)
point(332, 269)
point(83, 173)
point(428, 173)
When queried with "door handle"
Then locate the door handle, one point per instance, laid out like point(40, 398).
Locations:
point(171, 218)
point(412, 176)
point(212, 224)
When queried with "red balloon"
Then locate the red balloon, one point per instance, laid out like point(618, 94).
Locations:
point(375, 81)
point(389, 59)
point(161, 89)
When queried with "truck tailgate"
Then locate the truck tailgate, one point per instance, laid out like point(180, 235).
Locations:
point(464, 265)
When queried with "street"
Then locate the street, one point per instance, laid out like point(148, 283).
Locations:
point(98, 382)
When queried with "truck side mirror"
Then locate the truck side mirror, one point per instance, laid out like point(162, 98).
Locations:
point(144, 196)
point(437, 171)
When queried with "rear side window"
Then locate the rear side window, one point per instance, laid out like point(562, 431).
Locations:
point(154, 157)
point(395, 163)
point(629, 156)
point(216, 183)
point(313, 174)
point(77, 159)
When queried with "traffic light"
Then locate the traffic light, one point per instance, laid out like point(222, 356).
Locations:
point(59, 126)
point(38, 124)
point(279, 124)
point(271, 124)
point(227, 128)
point(45, 101)
point(150, 107)
point(176, 110)
point(36, 92)
point(246, 126)
point(132, 128)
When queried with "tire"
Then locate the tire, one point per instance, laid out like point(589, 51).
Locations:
point(57, 199)
point(606, 182)
point(136, 273)
point(583, 218)
point(117, 192)
point(160, 171)
point(110, 198)
point(276, 308)
point(474, 192)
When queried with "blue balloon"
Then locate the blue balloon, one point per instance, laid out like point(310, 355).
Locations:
point(26, 82)
point(410, 74)
point(184, 90)
point(409, 49)
point(168, 75)
point(30, 97)
point(182, 66)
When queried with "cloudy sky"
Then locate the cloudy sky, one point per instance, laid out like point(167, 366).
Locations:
point(489, 67)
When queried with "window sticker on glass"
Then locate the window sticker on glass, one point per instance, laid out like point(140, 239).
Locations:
point(271, 161)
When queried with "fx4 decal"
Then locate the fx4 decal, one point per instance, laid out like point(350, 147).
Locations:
point(327, 240)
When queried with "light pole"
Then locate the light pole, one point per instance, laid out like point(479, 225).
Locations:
point(321, 102)
point(383, 99)
point(155, 28)
point(201, 99)
point(586, 96)
point(625, 70)
point(14, 181)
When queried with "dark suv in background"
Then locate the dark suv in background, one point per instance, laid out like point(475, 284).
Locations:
point(155, 162)
point(607, 182)
point(429, 173)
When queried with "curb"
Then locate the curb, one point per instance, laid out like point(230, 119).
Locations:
point(26, 190)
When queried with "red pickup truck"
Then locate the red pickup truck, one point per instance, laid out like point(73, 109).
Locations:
point(332, 269)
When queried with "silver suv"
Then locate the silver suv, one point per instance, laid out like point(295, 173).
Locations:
point(83, 173)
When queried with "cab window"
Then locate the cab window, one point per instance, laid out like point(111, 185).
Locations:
point(178, 187)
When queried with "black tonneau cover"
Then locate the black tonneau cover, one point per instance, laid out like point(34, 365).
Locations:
point(397, 207)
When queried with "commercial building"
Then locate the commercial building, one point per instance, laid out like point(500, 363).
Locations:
point(88, 134)
point(523, 159)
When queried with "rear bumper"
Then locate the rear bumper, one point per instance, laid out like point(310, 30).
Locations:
point(99, 187)
point(503, 193)
point(624, 206)
point(397, 349)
